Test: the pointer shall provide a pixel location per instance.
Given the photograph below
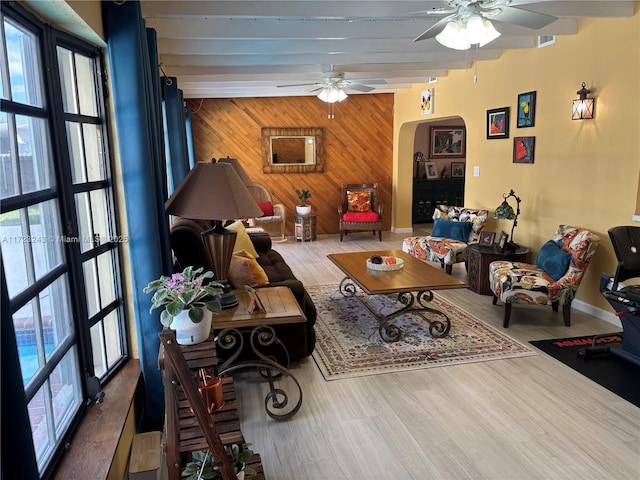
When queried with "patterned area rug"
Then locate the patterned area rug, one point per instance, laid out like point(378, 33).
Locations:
point(349, 345)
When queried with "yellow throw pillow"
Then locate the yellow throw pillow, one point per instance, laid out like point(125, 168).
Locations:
point(243, 242)
point(245, 270)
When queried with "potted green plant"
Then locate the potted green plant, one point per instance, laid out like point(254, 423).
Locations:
point(185, 295)
point(202, 464)
point(303, 209)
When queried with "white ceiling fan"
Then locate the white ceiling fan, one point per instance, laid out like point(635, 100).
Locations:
point(466, 22)
point(332, 86)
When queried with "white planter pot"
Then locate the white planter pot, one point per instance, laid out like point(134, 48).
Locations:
point(303, 209)
point(189, 333)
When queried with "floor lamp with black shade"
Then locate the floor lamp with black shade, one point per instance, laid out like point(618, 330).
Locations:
point(214, 191)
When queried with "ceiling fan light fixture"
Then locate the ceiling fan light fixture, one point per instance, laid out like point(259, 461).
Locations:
point(453, 36)
point(332, 94)
point(475, 29)
point(490, 33)
point(461, 34)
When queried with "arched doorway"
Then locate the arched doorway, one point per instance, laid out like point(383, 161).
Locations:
point(439, 161)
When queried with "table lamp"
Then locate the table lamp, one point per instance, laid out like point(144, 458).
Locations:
point(214, 191)
point(238, 168)
point(505, 212)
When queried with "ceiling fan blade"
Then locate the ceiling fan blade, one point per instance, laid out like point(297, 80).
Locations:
point(524, 18)
point(436, 28)
point(316, 90)
point(371, 81)
point(358, 87)
point(297, 85)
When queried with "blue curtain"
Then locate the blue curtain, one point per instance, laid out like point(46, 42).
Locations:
point(136, 91)
point(175, 132)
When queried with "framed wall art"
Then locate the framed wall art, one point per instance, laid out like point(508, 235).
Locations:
point(498, 123)
point(447, 142)
point(457, 169)
point(523, 149)
point(426, 101)
point(526, 110)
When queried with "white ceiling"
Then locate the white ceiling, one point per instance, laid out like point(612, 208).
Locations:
point(226, 49)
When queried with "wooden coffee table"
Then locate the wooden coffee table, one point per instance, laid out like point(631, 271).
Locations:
point(416, 276)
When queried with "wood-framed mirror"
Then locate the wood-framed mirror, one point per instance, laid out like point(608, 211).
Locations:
point(292, 150)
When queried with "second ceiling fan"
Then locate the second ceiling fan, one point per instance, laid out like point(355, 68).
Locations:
point(332, 86)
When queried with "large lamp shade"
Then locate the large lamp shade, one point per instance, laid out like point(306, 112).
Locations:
point(214, 191)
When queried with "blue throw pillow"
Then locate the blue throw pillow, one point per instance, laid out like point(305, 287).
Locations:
point(553, 260)
point(455, 230)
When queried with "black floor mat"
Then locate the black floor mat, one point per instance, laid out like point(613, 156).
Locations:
point(613, 373)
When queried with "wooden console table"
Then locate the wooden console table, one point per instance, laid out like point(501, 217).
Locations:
point(478, 260)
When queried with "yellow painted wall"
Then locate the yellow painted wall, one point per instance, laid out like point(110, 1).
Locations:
point(586, 173)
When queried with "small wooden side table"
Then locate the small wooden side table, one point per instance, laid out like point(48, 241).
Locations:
point(478, 260)
point(305, 227)
point(235, 327)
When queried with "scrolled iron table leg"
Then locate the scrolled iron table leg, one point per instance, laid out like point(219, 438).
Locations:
point(347, 288)
point(277, 398)
point(412, 304)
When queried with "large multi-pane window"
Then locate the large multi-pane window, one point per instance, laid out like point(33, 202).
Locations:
point(60, 247)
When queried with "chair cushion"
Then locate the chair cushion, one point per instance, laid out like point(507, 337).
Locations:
point(519, 282)
point(243, 242)
point(435, 249)
point(245, 270)
point(359, 201)
point(360, 217)
point(451, 229)
point(553, 260)
point(267, 208)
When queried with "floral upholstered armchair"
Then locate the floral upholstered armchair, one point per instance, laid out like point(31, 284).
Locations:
point(552, 279)
point(453, 229)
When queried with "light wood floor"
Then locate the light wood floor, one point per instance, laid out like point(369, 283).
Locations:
point(525, 418)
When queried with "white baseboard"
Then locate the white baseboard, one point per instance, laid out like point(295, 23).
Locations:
point(402, 230)
point(596, 312)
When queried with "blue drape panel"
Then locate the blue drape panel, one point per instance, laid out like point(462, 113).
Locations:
point(175, 132)
point(136, 96)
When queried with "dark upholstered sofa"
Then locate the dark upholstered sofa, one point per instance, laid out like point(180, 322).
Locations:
point(189, 249)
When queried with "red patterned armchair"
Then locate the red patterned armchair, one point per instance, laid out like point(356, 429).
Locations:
point(360, 209)
point(554, 277)
point(453, 229)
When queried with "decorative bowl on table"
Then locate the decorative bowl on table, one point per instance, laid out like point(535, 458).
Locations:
point(384, 263)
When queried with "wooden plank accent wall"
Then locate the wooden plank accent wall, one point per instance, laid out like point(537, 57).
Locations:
point(358, 146)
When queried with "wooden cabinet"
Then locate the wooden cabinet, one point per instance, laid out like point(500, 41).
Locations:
point(429, 193)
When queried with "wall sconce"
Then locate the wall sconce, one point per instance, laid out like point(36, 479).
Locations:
point(583, 106)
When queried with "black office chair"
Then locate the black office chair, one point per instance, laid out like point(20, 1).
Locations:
point(625, 300)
